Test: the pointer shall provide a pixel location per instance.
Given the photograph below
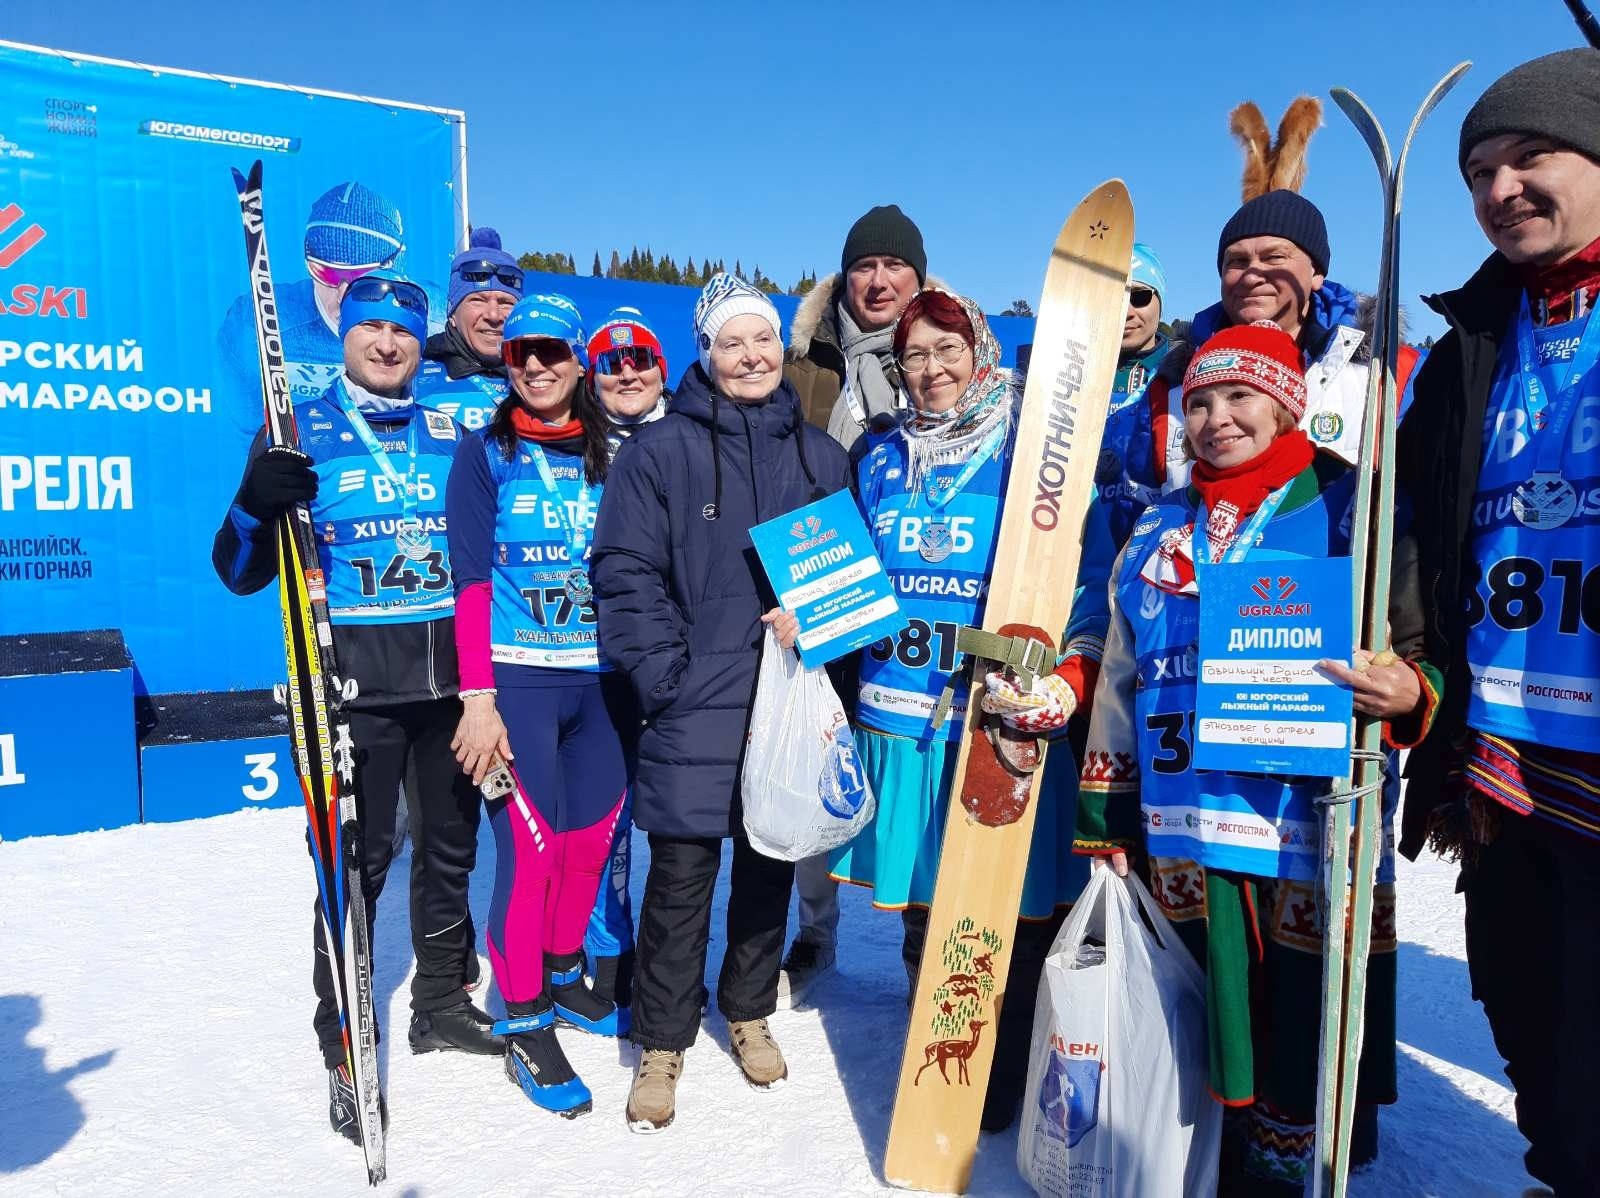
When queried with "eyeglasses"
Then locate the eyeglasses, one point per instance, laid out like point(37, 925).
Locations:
point(483, 271)
point(946, 354)
point(640, 357)
point(369, 290)
point(1140, 297)
point(337, 274)
point(548, 350)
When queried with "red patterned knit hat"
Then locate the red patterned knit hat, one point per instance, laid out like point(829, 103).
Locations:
point(1260, 355)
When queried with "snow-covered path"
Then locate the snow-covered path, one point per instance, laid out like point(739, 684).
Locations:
point(155, 1037)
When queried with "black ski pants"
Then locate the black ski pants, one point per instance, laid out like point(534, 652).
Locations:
point(675, 928)
point(410, 743)
point(1533, 949)
point(1008, 1076)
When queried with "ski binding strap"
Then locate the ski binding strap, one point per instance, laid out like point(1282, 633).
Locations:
point(1025, 657)
point(524, 1023)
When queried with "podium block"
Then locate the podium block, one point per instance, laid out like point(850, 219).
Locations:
point(209, 754)
point(67, 757)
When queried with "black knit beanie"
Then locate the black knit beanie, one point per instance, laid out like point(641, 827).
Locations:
point(1556, 96)
point(886, 230)
point(1286, 214)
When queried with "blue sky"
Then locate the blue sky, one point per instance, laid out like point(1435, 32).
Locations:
point(738, 132)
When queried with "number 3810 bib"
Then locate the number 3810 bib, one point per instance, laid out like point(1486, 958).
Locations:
point(1534, 615)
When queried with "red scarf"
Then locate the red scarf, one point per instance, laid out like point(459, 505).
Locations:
point(1553, 291)
point(1234, 493)
point(530, 428)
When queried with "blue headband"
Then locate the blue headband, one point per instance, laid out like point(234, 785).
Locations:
point(383, 295)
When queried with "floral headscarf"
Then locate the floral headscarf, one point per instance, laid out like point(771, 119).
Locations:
point(980, 419)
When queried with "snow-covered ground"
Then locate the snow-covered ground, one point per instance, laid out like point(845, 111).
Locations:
point(155, 1038)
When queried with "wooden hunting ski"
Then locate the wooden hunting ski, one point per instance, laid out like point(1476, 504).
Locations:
point(955, 1014)
point(1349, 870)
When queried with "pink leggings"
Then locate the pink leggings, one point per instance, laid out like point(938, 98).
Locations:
point(545, 884)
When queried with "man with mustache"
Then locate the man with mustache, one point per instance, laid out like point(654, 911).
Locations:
point(1498, 460)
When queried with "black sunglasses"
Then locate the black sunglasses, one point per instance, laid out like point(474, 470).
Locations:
point(548, 350)
point(371, 290)
point(1140, 297)
point(482, 272)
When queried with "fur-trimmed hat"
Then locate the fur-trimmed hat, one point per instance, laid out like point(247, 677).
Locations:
point(1273, 176)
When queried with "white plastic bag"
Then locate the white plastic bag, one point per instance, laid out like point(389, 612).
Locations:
point(804, 787)
point(1117, 1102)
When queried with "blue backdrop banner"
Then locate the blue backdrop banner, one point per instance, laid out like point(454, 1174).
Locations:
point(129, 389)
point(669, 311)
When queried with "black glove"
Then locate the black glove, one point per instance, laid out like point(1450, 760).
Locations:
point(277, 480)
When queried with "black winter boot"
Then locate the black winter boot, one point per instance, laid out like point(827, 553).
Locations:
point(461, 1028)
point(575, 1004)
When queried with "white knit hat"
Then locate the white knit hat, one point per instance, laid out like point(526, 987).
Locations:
point(723, 298)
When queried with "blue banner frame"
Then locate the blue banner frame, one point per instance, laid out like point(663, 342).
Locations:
point(129, 389)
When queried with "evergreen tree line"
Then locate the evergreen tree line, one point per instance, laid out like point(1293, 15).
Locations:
point(647, 268)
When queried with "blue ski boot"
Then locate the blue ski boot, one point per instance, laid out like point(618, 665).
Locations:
point(534, 1059)
point(577, 1005)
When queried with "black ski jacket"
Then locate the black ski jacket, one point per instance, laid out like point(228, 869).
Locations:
point(1437, 459)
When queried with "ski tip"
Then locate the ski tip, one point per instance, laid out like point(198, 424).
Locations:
point(1352, 105)
point(1106, 201)
point(1110, 189)
point(250, 182)
point(1453, 76)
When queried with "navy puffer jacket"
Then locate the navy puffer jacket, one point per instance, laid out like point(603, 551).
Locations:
point(680, 595)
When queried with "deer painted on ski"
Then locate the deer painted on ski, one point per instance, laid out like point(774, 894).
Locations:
point(940, 1051)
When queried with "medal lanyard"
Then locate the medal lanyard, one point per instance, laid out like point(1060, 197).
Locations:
point(975, 463)
point(405, 488)
point(577, 536)
point(1244, 541)
point(1552, 440)
point(492, 389)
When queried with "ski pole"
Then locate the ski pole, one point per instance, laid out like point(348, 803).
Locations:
point(1586, 21)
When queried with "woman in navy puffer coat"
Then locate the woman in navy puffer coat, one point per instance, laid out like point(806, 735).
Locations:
point(681, 596)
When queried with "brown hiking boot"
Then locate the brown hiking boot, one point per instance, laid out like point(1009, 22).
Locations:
point(652, 1102)
point(757, 1053)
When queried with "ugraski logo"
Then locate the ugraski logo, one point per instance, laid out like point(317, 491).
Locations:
point(25, 239)
point(1286, 587)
